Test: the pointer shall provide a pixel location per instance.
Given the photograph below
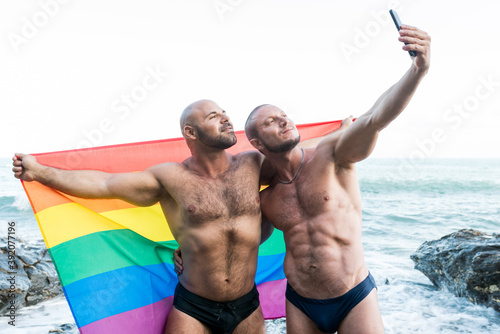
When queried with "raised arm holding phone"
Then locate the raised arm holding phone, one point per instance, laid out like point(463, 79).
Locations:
point(315, 200)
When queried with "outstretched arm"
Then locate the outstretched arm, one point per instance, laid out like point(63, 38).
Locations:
point(358, 141)
point(142, 188)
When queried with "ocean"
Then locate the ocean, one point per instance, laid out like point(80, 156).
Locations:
point(405, 203)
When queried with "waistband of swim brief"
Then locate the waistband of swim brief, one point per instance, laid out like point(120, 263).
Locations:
point(369, 279)
point(209, 302)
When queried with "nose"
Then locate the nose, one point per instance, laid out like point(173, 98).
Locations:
point(224, 118)
point(283, 121)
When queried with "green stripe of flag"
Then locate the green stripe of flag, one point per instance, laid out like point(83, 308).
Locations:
point(104, 251)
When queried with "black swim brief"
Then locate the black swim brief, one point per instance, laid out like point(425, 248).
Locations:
point(220, 317)
point(327, 314)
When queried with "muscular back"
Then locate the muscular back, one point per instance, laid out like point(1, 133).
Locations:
point(216, 222)
point(320, 216)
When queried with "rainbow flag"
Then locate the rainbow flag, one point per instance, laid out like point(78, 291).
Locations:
point(114, 260)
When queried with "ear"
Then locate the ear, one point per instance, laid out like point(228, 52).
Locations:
point(257, 144)
point(190, 132)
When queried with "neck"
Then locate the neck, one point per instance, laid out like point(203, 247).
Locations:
point(287, 163)
point(210, 162)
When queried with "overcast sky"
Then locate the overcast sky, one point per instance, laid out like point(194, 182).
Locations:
point(77, 73)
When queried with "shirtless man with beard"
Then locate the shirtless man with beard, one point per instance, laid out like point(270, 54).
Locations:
point(315, 200)
point(211, 202)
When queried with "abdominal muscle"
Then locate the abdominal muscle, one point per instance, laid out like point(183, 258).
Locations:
point(324, 257)
point(220, 260)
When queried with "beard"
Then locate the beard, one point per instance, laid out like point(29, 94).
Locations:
point(220, 142)
point(283, 147)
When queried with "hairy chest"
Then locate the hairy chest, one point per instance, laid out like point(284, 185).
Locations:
point(200, 200)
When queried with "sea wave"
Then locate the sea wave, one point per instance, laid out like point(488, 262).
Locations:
point(15, 202)
point(436, 186)
point(430, 177)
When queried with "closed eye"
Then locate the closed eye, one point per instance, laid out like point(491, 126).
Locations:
point(213, 114)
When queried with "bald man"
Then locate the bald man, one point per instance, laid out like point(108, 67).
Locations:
point(211, 202)
point(315, 200)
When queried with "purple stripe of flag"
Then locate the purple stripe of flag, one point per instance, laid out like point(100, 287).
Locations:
point(150, 319)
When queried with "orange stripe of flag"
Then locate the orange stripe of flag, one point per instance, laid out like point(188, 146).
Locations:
point(47, 197)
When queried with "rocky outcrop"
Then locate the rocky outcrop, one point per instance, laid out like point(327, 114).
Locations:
point(466, 263)
point(28, 276)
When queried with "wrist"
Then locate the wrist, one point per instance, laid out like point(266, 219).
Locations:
point(40, 173)
point(419, 71)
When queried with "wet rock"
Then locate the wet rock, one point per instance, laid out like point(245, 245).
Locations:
point(466, 263)
point(27, 275)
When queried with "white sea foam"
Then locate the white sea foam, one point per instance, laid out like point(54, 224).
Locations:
point(40, 318)
point(21, 202)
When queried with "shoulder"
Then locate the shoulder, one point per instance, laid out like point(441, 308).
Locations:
point(250, 157)
point(167, 169)
point(170, 176)
point(324, 155)
point(166, 166)
point(329, 143)
point(247, 165)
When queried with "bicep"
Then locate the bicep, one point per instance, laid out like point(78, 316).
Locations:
point(355, 143)
point(140, 188)
point(358, 143)
point(329, 137)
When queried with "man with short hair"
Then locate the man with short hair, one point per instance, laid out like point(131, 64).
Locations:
point(315, 200)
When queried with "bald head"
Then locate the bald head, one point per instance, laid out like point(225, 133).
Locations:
point(188, 116)
point(205, 123)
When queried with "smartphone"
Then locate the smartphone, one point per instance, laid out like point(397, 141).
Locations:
point(397, 22)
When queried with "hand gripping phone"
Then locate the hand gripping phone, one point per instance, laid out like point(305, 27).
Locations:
point(397, 22)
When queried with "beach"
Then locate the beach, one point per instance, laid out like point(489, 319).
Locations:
point(405, 203)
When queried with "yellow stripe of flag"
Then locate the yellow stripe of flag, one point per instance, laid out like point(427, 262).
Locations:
point(68, 221)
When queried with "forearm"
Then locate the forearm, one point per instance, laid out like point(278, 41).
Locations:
point(359, 141)
point(396, 98)
point(80, 183)
point(139, 188)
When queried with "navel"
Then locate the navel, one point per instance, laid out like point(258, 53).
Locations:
point(191, 209)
